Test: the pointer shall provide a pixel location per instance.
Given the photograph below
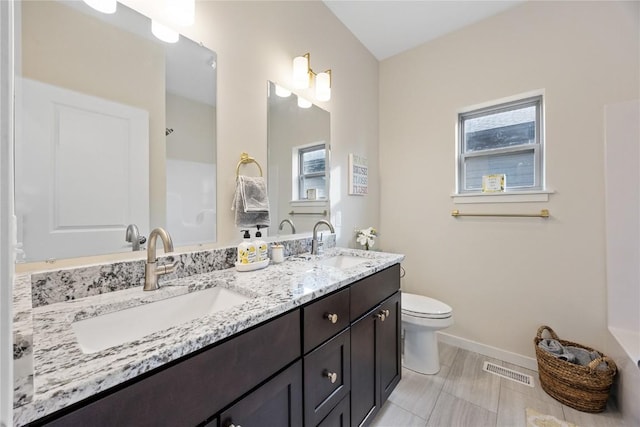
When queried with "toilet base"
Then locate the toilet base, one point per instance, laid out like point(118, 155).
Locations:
point(421, 350)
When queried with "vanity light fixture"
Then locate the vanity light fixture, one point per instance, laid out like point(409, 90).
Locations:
point(304, 103)
point(282, 92)
point(104, 6)
point(323, 86)
point(163, 32)
point(303, 75)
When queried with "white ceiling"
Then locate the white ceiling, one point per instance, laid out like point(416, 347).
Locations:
point(387, 28)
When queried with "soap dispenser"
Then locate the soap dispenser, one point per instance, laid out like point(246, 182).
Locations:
point(246, 249)
point(261, 247)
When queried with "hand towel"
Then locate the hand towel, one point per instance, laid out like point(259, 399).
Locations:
point(251, 202)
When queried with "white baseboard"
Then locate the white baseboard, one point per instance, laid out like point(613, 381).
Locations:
point(487, 350)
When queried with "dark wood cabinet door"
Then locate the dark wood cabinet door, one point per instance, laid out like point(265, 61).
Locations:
point(339, 416)
point(277, 403)
point(327, 377)
point(388, 345)
point(376, 361)
point(365, 391)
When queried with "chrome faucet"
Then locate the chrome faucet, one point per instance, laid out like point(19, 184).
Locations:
point(153, 270)
point(132, 235)
point(316, 246)
point(287, 221)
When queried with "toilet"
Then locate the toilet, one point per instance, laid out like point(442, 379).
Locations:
point(421, 318)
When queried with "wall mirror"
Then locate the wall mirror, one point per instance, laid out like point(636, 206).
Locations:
point(299, 153)
point(113, 127)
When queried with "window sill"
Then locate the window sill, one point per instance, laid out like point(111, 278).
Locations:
point(308, 203)
point(507, 197)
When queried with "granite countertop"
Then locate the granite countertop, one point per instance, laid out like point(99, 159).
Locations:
point(63, 374)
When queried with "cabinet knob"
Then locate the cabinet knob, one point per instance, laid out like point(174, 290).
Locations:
point(386, 312)
point(331, 375)
point(381, 316)
point(333, 318)
point(234, 425)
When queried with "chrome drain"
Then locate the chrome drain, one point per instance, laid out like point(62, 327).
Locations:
point(507, 373)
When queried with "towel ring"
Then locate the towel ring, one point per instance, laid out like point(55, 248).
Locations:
point(244, 159)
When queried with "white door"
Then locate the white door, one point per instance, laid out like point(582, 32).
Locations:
point(82, 172)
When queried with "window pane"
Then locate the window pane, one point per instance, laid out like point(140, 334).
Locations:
point(499, 130)
point(519, 168)
point(313, 161)
point(317, 182)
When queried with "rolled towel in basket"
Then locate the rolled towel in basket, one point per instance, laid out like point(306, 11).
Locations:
point(584, 357)
point(556, 349)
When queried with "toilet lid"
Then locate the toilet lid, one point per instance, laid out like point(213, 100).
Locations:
point(421, 306)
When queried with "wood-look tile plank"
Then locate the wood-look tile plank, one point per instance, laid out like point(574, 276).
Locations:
point(468, 381)
point(611, 417)
point(394, 416)
point(451, 411)
point(512, 406)
point(447, 353)
point(418, 393)
point(536, 391)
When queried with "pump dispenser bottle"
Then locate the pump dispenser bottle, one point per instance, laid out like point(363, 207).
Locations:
point(246, 249)
point(261, 247)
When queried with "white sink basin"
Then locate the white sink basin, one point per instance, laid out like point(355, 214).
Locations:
point(343, 261)
point(101, 332)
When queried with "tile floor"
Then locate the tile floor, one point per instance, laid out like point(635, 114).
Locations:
point(463, 395)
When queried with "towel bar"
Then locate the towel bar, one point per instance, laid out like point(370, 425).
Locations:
point(323, 213)
point(544, 213)
point(245, 159)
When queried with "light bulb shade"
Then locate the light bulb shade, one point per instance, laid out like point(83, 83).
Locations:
point(303, 103)
point(104, 6)
point(301, 72)
point(323, 86)
point(282, 92)
point(182, 12)
point(163, 32)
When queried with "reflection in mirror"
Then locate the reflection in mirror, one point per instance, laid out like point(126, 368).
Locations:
point(298, 180)
point(113, 128)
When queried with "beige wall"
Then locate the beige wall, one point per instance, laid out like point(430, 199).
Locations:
point(506, 277)
point(194, 133)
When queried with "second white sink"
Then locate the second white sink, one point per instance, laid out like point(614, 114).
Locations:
point(102, 332)
point(343, 261)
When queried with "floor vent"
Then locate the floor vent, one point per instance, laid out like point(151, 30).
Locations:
point(509, 374)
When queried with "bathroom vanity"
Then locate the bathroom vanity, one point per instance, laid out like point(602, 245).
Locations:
point(317, 344)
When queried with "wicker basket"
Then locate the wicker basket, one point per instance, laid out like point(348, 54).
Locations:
point(584, 388)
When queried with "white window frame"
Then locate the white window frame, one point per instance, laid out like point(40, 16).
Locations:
point(537, 147)
point(296, 169)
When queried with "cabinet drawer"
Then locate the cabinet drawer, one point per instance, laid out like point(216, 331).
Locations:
point(327, 377)
point(325, 318)
point(368, 292)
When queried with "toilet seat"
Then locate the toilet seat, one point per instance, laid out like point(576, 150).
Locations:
point(424, 307)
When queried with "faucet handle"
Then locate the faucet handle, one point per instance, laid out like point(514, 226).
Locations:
point(168, 267)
